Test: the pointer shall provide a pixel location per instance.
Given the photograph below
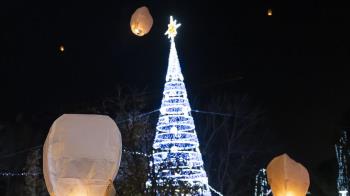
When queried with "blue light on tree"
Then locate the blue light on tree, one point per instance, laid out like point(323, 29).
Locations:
point(262, 188)
point(176, 160)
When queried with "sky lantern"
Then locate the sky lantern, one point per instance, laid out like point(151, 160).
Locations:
point(141, 21)
point(61, 48)
point(269, 12)
point(82, 155)
point(287, 177)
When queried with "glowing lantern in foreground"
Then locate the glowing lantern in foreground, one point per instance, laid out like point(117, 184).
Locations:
point(141, 21)
point(82, 155)
point(287, 177)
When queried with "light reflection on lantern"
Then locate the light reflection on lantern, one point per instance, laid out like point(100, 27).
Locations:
point(141, 21)
point(287, 177)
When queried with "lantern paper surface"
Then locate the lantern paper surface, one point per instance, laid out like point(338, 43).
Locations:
point(81, 155)
point(141, 21)
point(287, 177)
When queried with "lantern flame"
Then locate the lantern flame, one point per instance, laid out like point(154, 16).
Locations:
point(290, 194)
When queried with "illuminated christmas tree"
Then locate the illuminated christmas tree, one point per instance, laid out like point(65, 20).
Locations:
point(343, 157)
point(177, 165)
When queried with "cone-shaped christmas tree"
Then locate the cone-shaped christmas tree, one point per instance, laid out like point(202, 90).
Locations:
point(177, 163)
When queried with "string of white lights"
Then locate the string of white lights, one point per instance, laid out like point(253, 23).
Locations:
point(121, 121)
point(13, 174)
point(136, 153)
point(138, 116)
point(215, 191)
point(213, 113)
point(156, 110)
point(19, 152)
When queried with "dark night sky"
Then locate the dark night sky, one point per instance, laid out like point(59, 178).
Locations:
point(295, 63)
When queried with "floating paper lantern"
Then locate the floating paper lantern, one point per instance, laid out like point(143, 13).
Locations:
point(82, 155)
point(287, 177)
point(269, 12)
point(141, 21)
point(61, 48)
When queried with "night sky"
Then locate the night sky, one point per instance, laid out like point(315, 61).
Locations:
point(294, 63)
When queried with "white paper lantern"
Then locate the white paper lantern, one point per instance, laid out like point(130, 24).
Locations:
point(82, 155)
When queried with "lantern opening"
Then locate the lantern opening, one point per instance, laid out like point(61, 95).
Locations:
point(138, 31)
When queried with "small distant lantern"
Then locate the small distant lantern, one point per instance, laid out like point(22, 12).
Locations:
point(287, 177)
point(61, 48)
point(269, 12)
point(82, 156)
point(141, 21)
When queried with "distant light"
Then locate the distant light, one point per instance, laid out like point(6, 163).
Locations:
point(269, 12)
point(61, 48)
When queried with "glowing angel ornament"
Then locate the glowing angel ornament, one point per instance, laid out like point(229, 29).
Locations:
point(82, 155)
point(141, 21)
point(287, 177)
